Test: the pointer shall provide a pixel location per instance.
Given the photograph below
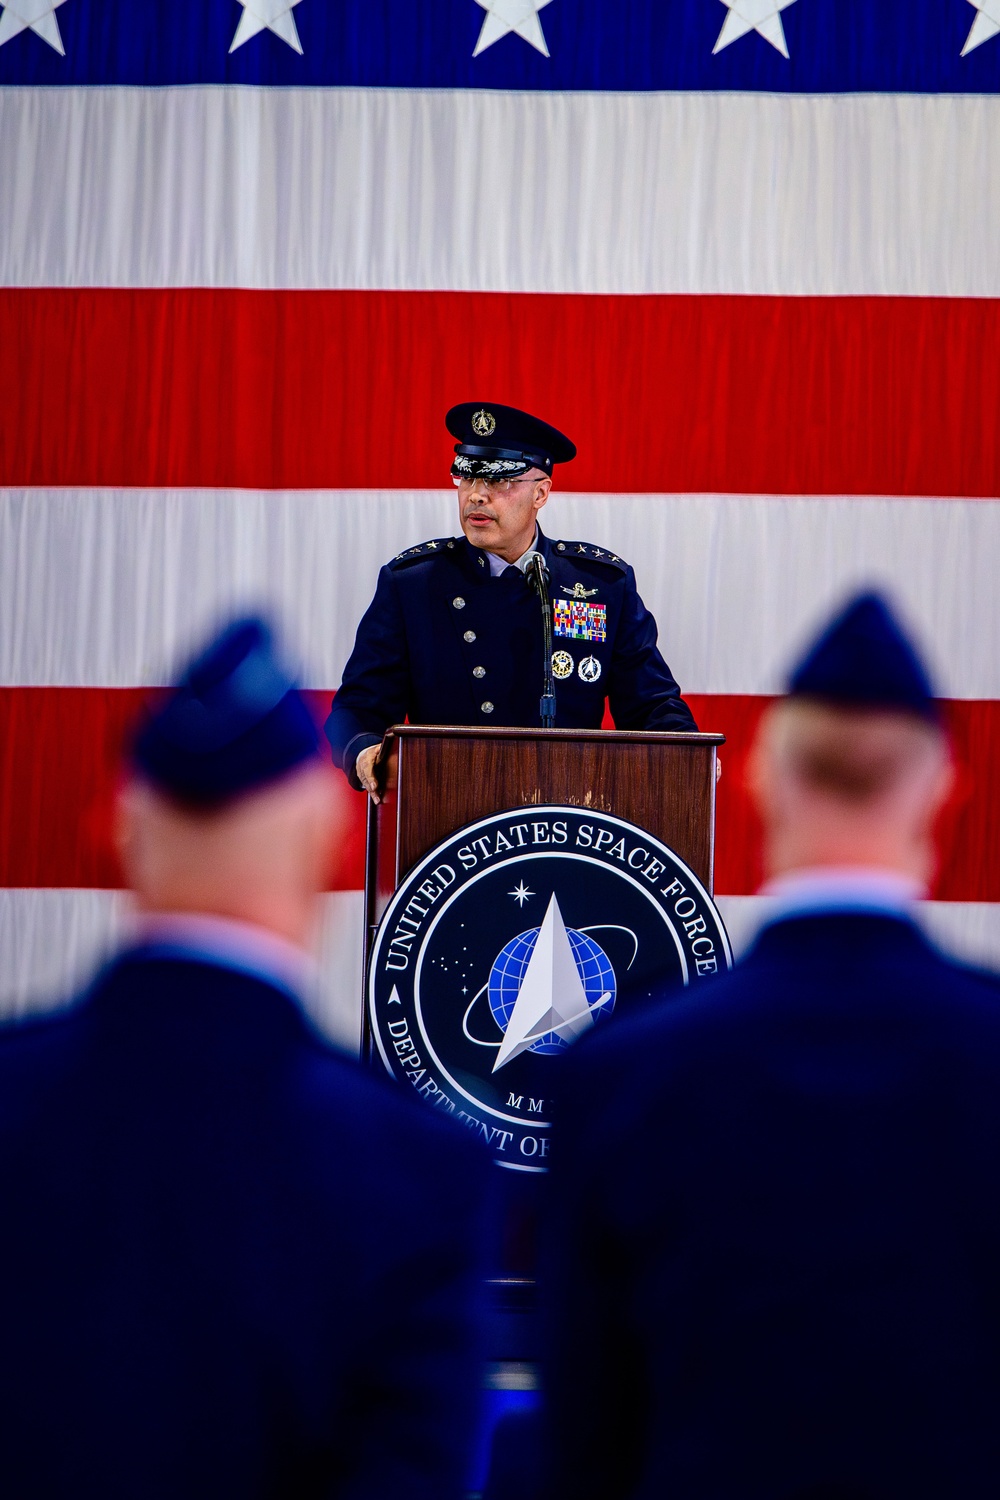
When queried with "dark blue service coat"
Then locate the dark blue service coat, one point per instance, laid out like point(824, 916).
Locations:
point(232, 1264)
point(443, 642)
point(777, 1232)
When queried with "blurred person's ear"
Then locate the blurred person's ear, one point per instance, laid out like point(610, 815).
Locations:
point(333, 818)
point(264, 857)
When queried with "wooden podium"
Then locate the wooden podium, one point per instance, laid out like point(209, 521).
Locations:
point(439, 778)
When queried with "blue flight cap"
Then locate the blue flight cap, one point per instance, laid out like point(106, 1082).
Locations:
point(864, 659)
point(235, 721)
point(500, 442)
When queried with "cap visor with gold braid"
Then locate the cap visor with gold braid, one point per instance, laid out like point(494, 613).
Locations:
point(501, 442)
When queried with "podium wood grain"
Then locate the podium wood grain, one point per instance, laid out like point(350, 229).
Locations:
point(442, 778)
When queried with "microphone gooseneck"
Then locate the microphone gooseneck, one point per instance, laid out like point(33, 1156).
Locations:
point(534, 569)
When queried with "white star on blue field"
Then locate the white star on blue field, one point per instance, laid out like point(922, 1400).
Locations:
point(762, 16)
point(269, 15)
point(520, 16)
point(38, 16)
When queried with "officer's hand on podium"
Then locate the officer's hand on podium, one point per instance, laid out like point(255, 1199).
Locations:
point(364, 766)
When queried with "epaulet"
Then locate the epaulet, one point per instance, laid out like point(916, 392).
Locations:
point(424, 549)
point(592, 554)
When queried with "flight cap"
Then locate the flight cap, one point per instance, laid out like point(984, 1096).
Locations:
point(500, 442)
point(865, 659)
point(234, 722)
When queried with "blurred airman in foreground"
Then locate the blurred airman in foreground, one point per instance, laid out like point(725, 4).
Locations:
point(232, 1263)
point(775, 1247)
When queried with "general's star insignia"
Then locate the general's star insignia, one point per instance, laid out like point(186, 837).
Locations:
point(520, 16)
point(36, 15)
point(762, 16)
point(581, 548)
point(578, 591)
point(268, 15)
point(985, 26)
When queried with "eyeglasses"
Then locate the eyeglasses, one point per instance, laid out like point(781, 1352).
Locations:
point(495, 487)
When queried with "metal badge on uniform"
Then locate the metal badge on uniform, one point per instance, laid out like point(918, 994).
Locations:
point(576, 620)
point(589, 669)
point(562, 664)
point(484, 423)
point(578, 591)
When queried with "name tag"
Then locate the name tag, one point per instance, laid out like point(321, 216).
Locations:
point(575, 620)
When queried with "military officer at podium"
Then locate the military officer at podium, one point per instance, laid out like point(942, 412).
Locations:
point(454, 632)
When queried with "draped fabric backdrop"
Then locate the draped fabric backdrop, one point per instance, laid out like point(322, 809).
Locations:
point(250, 253)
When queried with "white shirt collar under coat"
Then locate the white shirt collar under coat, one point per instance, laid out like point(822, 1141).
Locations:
point(841, 889)
point(241, 946)
point(500, 565)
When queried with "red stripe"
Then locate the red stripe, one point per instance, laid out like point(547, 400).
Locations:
point(61, 757)
point(968, 830)
point(60, 754)
point(804, 395)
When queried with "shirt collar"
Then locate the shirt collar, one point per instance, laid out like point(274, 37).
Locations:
point(842, 889)
point(500, 565)
point(241, 946)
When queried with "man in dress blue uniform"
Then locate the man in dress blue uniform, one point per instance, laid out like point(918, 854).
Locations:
point(232, 1263)
point(454, 633)
point(777, 1226)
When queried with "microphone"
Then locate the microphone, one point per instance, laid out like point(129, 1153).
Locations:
point(533, 566)
point(535, 570)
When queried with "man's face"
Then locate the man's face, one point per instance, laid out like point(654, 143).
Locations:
point(500, 516)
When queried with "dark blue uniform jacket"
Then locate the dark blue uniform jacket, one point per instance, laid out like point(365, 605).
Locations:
point(443, 642)
point(776, 1253)
point(232, 1264)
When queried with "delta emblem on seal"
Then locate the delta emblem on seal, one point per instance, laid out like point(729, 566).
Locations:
point(513, 938)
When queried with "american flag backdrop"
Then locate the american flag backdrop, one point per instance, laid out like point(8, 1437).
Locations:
point(745, 252)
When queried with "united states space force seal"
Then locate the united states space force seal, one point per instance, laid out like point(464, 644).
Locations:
point(513, 938)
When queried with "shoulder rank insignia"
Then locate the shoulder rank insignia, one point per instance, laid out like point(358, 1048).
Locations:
point(598, 554)
point(424, 549)
point(578, 591)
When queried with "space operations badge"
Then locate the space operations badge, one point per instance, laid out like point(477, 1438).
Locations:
point(510, 940)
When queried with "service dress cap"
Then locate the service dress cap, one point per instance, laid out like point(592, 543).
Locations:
point(501, 442)
point(865, 659)
point(235, 721)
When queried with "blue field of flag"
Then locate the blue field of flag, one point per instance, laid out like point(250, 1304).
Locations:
point(831, 45)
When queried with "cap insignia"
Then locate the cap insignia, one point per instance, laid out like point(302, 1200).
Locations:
point(484, 423)
point(578, 591)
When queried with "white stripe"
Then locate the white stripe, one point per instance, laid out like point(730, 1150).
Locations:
point(968, 929)
point(51, 941)
point(579, 192)
point(107, 587)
